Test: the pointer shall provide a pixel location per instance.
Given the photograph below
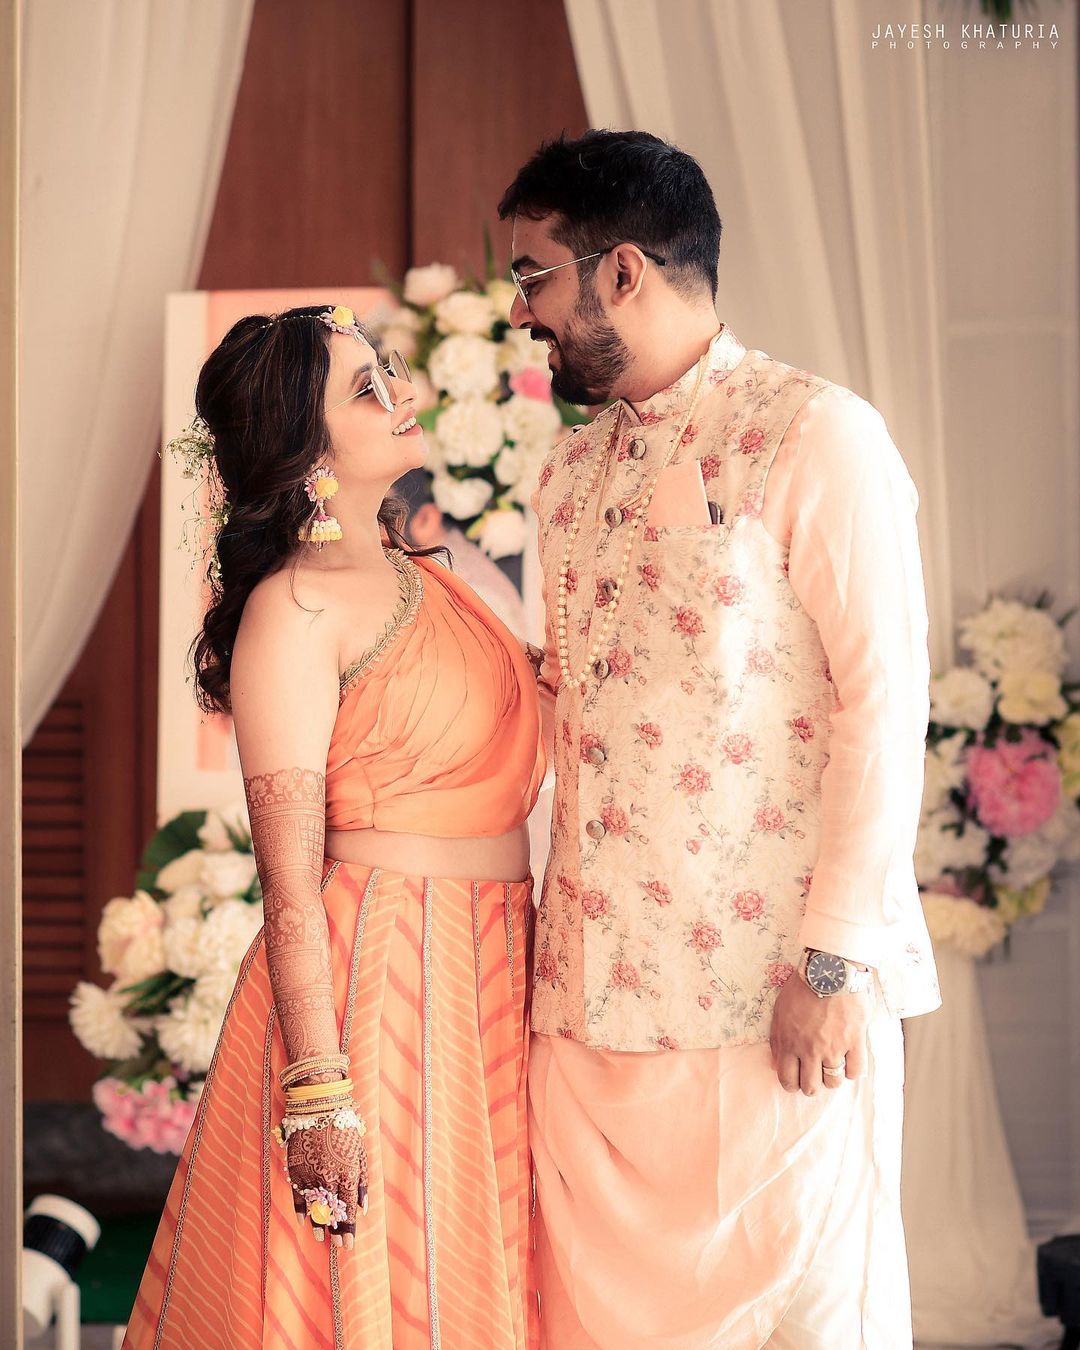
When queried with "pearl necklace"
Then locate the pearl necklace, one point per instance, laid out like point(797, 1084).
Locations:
point(638, 515)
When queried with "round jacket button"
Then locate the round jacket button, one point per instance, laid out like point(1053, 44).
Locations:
point(596, 754)
point(607, 588)
point(637, 448)
point(614, 516)
point(595, 829)
point(601, 668)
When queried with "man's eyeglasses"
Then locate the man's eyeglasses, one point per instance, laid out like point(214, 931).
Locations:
point(394, 366)
point(521, 281)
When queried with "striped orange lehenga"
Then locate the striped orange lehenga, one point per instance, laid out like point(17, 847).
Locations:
point(431, 990)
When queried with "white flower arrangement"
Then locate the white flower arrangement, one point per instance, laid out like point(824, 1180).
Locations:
point(173, 950)
point(1001, 796)
point(489, 414)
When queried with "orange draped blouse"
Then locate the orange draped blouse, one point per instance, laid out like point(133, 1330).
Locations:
point(438, 729)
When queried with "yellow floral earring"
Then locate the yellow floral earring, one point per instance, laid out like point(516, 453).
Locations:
point(320, 528)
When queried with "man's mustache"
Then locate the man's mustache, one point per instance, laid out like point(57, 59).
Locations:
point(542, 335)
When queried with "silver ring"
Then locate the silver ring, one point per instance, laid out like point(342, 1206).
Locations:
point(834, 1070)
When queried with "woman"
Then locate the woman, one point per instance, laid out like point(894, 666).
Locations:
point(389, 734)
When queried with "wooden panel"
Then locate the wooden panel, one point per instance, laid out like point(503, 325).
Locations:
point(490, 83)
point(315, 182)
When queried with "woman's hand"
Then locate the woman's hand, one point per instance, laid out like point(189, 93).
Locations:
point(330, 1165)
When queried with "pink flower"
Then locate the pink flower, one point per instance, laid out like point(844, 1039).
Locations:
point(694, 780)
point(571, 581)
point(532, 382)
point(563, 513)
point(659, 892)
point(666, 1043)
point(615, 819)
point(769, 818)
point(688, 621)
point(710, 466)
point(749, 905)
point(620, 661)
point(690, 435)
point(803, 728)
point(650, 534)
point(567, 732)
point(576, 453)
point(705, 1001)
point(650, 575)
point(751, 441)
point(546, 967)
point(650, 733)
point(624, 975)
point(568, 887)
point(595, 904)
point(728, 589)
point(737, 746)
point(545, 474)
point(779, 972)
point(760, 661)
point(1016, 785)
point(704, 936)
point(693, 845)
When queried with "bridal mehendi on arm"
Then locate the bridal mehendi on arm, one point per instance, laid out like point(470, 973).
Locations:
point(286, 808)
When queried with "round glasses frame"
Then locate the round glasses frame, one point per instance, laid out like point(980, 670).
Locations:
point(396, 367)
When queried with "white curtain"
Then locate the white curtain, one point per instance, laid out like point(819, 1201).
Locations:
point(126, 108)
point(820, 165)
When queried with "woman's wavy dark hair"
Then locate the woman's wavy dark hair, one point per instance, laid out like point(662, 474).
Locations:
point(261, 392)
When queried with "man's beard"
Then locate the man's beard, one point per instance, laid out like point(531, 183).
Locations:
point(592, 355)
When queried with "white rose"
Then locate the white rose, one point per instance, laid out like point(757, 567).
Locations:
point(518, 351)
point(946, 768)
point(503, 294)
point(1062, 830)
point(183, 871)
point(465, 312)
point(130, 942)
point(460, 498)
point(186, 903)
point(961, 698)
point(228, 931)
point(227, 874)
point(464, 365)
point(436, 454)
point(510, 464)
point(531, 422)
point(426, 286)
point(215, 835)
point(1009, 636)
point(957, 922)
point(1026, 858)
point(188, 1033)
point(938, 850)
point(471, 432)
point(1031, 696)
point(500, 533)
point(214, 989)
point(184, 953)
point(97, 1019)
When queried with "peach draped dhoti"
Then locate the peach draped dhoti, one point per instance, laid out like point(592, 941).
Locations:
point(686, 1202)
point(430, 985)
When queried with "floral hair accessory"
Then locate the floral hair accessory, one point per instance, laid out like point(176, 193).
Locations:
point(342, 320)
point(194, 449)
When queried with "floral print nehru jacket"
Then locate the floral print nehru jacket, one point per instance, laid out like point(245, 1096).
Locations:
point(700, 838)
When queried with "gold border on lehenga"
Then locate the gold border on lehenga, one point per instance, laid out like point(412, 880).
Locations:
point(508, 911)
point(199, 1121)
point(266, 1117)
point(346, 1032)
point(429, 1217)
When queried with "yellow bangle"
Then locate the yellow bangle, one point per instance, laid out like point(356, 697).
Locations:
point(317, 1091)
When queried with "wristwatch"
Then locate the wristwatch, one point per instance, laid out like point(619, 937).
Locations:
point(827, 974)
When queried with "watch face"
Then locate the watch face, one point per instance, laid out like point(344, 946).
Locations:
point(825, 973)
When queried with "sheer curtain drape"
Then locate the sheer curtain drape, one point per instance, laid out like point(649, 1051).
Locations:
point(125, 116)
point(818, 266)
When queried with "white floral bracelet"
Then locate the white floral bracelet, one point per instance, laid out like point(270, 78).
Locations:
point(342, 1118)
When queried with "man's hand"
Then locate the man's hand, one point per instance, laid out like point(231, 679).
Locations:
point(808, 1032)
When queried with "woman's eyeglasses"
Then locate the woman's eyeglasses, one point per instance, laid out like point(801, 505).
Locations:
point(396, 367)
point(521, 281)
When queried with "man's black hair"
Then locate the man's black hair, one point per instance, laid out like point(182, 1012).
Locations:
point(414, 488)
point(613, 187)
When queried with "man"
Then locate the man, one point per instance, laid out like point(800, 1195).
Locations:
point(729, 927)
